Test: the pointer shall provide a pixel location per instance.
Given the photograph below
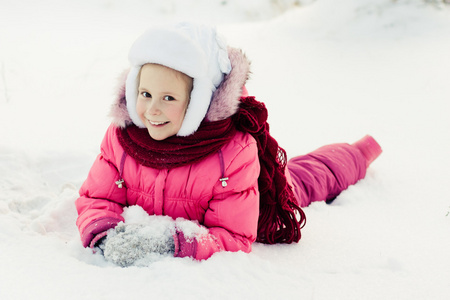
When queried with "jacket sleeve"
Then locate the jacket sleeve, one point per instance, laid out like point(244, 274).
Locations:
point(101, 201)
point(324, 173)
point(232, 215)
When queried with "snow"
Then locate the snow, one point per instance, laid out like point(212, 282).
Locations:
point(329, 71)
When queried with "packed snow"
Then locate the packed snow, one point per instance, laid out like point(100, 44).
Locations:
point(329, 71)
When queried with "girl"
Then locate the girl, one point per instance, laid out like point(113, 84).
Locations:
point(188, 142)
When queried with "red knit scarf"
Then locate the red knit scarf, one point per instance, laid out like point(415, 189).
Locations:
point(175, 151)
point(277, 221)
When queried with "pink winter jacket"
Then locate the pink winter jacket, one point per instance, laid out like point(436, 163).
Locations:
point(192, 192)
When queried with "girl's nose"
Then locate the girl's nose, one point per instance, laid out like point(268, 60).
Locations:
point(153, 107)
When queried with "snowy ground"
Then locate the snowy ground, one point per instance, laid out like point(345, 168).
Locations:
point(329, 71)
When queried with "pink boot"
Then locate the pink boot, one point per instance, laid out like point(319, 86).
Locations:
point(369, 148)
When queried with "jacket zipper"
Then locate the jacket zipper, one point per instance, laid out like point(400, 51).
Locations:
point(222, 170)
point(120, 182)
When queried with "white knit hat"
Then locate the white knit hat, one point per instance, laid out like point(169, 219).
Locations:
point(195, 50)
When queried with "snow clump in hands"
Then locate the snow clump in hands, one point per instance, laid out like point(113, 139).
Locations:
point(140, 240)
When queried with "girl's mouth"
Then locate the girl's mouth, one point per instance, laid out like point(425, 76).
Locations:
point(157, 123)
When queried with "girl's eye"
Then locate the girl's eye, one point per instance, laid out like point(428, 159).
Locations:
point(169, 98)
point(146, 94)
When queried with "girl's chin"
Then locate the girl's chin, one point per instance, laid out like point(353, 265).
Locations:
point(159, 136)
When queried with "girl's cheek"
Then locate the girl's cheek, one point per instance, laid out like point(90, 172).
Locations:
point(140, 107)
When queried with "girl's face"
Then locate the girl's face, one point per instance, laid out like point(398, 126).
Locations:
point(162, 100)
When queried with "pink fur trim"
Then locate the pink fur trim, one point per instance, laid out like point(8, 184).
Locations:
point(119, 111)
point(225, 100)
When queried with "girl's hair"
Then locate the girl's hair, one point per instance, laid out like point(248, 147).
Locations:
point(280, 216)
point(280, 219)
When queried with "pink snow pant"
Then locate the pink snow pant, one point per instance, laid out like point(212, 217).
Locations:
point(326, 172)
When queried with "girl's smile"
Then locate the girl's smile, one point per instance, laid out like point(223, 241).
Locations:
point(157, 123)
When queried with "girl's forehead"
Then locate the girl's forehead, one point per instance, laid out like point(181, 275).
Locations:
point(162, 74)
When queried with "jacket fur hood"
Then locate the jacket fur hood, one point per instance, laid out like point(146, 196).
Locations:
point(225, 100)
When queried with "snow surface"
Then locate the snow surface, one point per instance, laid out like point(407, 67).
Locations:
point(329, 71)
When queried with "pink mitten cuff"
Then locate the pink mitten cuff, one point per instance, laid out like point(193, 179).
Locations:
point(183, 246)
point(97, 238)
point(95, 228)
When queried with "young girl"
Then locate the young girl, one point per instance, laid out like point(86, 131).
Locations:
point(188, 142)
